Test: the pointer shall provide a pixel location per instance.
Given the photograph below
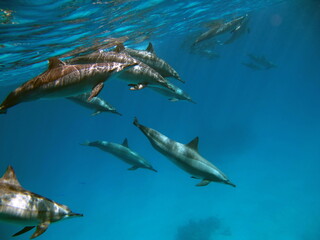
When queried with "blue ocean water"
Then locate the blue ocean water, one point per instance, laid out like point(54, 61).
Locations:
point(260, 127)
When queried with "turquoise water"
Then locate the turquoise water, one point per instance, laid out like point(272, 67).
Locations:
point(260, 127)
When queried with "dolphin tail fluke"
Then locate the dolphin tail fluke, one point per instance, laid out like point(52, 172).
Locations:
point(24, 230)
point(40, 229)
point(86, 143)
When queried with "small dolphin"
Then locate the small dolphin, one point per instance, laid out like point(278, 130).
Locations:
point(220, 27)
point(139, 76)
point(185, 156)
point(150, 58)
point(176, 95)
point(97, 104)
point(23, 207)
point(252, 66)
point(123, 152)
point(262, 61)
point(64, 80)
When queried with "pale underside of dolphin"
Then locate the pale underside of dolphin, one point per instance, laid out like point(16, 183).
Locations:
point(31, 210)
point(185, 156)
point(123, 152)
point(64, 80)
point(150, 58)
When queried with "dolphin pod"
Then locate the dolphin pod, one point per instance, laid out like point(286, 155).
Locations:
point(31, 210)
point(185, 156)
point(123, 152)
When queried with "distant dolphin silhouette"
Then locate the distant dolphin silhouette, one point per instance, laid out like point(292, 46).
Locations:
point(123, 152)
point(185, 156)
point(64, 80)
point(23, 207)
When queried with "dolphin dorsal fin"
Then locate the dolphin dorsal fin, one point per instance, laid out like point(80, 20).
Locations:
point(125, 143)
point(150, 48)
point(9, 177)
point(55, 62)
point(119, 48)
point(194, 144)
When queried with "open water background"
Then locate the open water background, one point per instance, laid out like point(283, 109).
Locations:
point(262, 128)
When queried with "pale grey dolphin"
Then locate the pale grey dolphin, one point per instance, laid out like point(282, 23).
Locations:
point(138, 77)
point(150, 58)
point(176, 95)
point(97, 104)
point(220, 27)
point(23, 207)
point(64, 80)
point(185, 156)
point(123, 152)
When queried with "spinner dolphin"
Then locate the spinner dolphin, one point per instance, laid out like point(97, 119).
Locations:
point(185, 156)
point(23, 207)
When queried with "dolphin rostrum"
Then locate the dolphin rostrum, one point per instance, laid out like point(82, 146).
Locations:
point(23, 207)
point(185, 156)
point(123, 152)
point(150, 58)
point(64, 80)
point(97, 104)
point(139, 76)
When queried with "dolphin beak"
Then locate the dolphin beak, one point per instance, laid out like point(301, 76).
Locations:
point(75, 215)
point(230, 183)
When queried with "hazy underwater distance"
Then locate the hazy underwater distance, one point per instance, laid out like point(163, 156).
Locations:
point(192, 120)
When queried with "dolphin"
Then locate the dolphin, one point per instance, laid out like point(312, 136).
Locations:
point(240, 30)
point(252, 66)
point(150, 58)
point(139, 76)
point(176, 95)
point(97, 104)
point(123, 152)
point(220, 27)
point(23, 207)
point(262, 61)
point(64, 80)
point(185, 156)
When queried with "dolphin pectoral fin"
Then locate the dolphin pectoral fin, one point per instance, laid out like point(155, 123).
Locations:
point(133, 168)
point(96, 90)
point(195, 177)
point(40, 229)
point(24, 230)
point(204, 182)
point(138, 86)
point(96, 113)
point(173, 99)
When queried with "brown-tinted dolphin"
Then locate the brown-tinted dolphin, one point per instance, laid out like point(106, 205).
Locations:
point(23, 207)
point(150, 58)
point(185, 156)
point(64, 80)
point(97, 104)
point(123, 152)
